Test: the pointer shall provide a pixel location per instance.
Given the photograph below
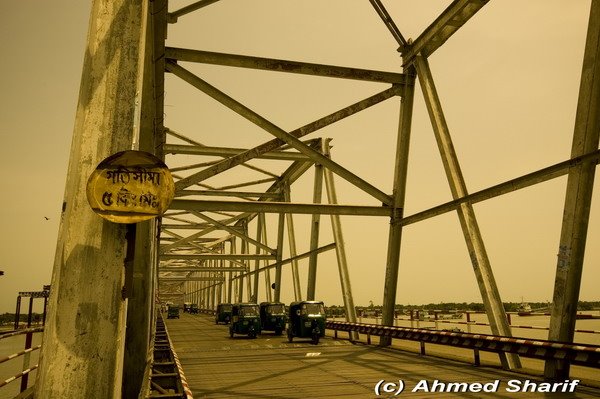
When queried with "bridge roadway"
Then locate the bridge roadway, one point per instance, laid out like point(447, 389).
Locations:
point(217, 366)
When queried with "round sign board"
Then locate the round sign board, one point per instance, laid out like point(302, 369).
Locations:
point(130, 187)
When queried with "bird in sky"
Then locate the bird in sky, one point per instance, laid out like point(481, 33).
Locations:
point(47, 218)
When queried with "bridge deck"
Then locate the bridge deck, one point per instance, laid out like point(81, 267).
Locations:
point(217, 366)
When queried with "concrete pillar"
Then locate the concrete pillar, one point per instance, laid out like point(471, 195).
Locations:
point(82, 355)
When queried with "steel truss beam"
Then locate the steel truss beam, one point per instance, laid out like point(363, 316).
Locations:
point(578, 201)
point(530, 179)
point(233, 231)
point(300, 132)
point(436, 34)
point(173, 16)
point(216, 256)
point(466, 214)
point(272, 129)
point(290, 260)
point(270, 64)
point(222, 151)
point(201, 269)
point(278, 207)
point(184, 279)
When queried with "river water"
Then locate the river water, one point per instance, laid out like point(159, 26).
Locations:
point(541, 322)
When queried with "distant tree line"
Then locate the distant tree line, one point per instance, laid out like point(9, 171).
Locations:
point(338, 310)
point(9, 318)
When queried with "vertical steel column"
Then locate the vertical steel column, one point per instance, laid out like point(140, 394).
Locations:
point(257, 251)
point(219, 294)
point(206, 289)
point(213, 292)
point(314, 235)
point(239, 282)
point(481, 264)
point(279, 256)
point(340, 247)
point(230, 281)
point(268, 289)
point(246, 250)
point(578, 200)
point(83, 349)
point(292, 243)
point(399, 191)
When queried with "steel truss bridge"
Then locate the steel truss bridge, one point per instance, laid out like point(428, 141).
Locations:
point(229, 234)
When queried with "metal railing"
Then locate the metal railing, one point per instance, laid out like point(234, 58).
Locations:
point(583, 355)
point(164, 377)
point(25, 353)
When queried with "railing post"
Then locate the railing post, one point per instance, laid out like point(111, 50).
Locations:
point(476, 356)
point(29, 312)
point(26, 357)
point(45, 309)
point(18, 312)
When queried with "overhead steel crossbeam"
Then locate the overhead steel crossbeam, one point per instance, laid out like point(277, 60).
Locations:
point(389, 22)
point(221, 151)
point(188, 239)
point(290, 175)
point(274, 130)
point(436, 34)
point(196, 143)
point(275, 65)
point(184, 279)
point(233, 231)
point(277, 143)
point(226, 193)
point(188, 269)
point(280, 207)
point(173, 16)
point(289, 260)
point(530, 179)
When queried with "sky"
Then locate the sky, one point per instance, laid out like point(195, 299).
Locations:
point(508, 82)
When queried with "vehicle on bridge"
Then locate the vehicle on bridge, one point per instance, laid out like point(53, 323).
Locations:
point(306, 320)
point(223, 313)
point(186, 307)
point(272, 316)
point(172, 312)
point(245, 319)
point(194, 308)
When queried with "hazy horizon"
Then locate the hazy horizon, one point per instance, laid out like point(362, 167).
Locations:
point(508, 83)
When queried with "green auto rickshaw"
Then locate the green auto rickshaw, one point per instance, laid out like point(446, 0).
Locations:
point(194, 308)
point(223, 313)
point(306, 320)
point(272, 316)
point(245, 319)
point(172, 312)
